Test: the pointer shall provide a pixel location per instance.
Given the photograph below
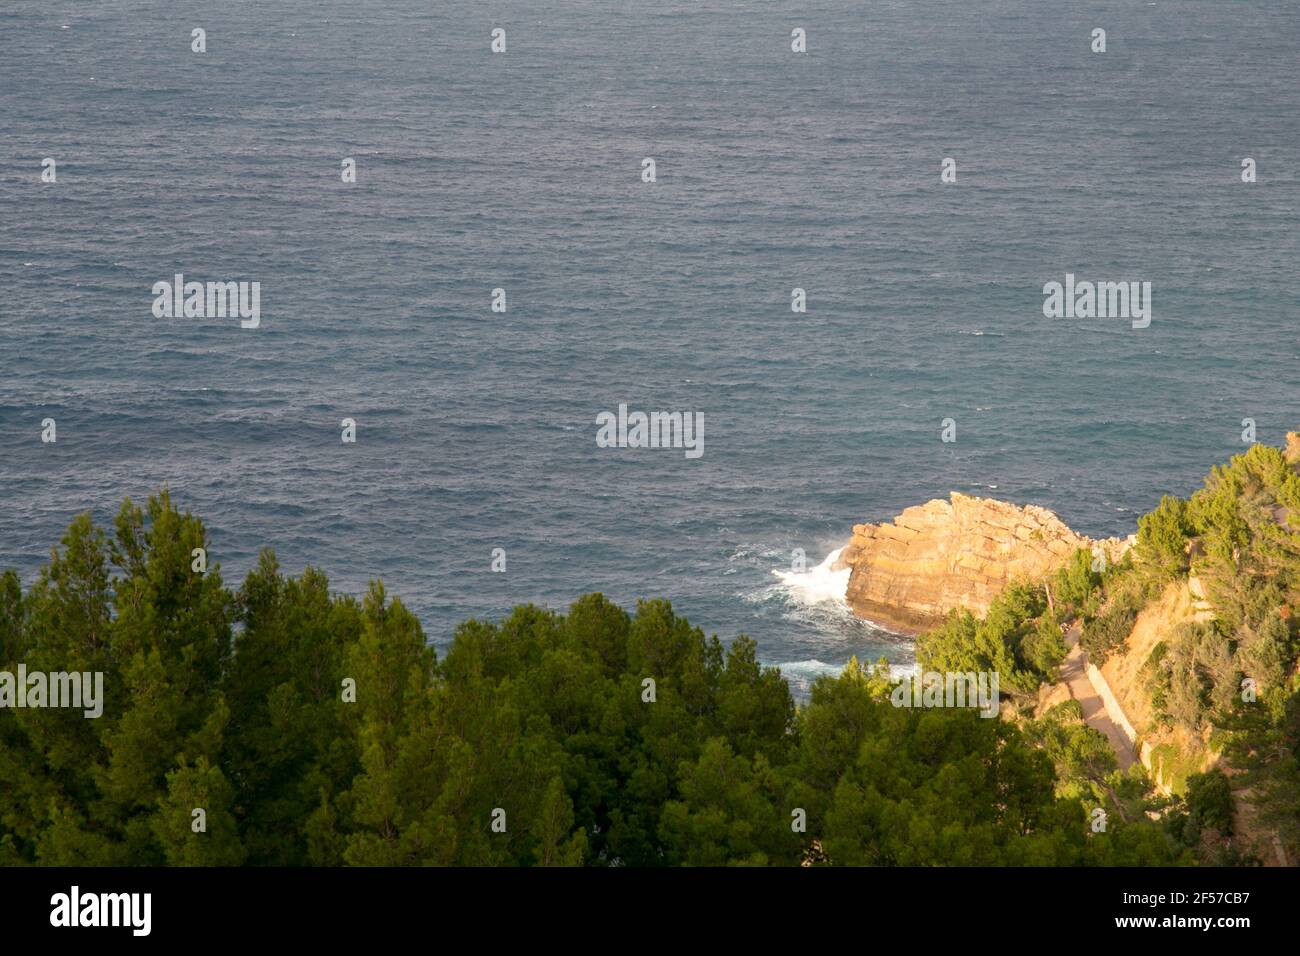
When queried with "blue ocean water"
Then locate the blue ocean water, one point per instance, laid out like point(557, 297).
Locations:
point(476, 430)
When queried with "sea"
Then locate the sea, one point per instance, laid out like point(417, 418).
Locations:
point(524, 170)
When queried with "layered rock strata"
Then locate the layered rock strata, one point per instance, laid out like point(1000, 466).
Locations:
point(908, 573)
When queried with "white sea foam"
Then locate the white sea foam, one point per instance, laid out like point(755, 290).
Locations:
point(808, 671)
point(815, 602)
point(801, 674)
point(818, 584)
point(812, 667)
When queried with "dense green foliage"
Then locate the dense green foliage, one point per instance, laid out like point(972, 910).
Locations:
point(914, 786)
point(1243, 672)
point(1209, 801)
point(1123, 592)
point(1087, 770)
point(315, 728)
point(1233, 676)
point(1019, 639)
point(1075, 586)
point(1162, 538)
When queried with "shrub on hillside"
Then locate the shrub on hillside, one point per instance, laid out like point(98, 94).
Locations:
point(1074, 586)
point(1209, 801)
point(1162, 538)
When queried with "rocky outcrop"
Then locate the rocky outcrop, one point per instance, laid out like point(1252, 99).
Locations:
point(908, 573)
point(1293, 447)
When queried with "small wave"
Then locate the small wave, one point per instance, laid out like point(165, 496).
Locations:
point(810, 669)
point(801, 674)
point(817, 585)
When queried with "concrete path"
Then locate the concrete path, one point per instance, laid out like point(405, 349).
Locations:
point(1075, 675)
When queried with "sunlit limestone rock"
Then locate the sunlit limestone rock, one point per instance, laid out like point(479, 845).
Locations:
point(1293, 447)
point(908, 573)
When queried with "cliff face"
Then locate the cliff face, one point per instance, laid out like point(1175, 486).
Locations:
point(1169, 754)
point(910, 572)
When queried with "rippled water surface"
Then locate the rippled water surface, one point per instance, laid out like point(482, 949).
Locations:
point(476, 430)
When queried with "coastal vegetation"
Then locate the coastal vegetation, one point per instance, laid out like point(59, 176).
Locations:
point(314, 728)
point(1223, 684)
point(281, 723)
